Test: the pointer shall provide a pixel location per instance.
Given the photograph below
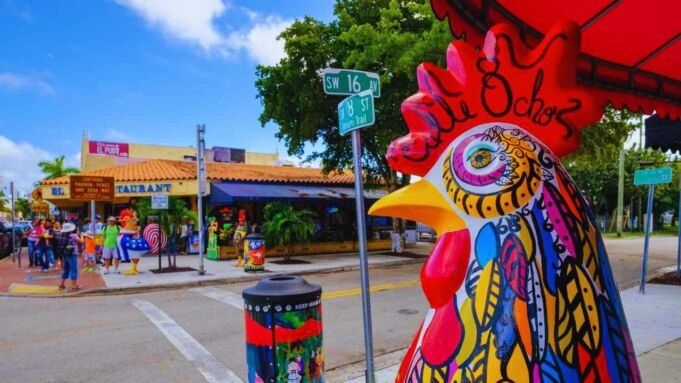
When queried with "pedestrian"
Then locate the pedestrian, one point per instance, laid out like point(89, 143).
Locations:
point(46, 245)
point(184, 236)
point(70, 256)
point(111, 231)
point(59, 243)
point(32, 243)
point(89, 252)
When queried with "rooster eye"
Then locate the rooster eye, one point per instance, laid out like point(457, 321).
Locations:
point(480, 158)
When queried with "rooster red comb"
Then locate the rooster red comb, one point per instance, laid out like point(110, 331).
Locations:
point(505, 81)
point(125, 214)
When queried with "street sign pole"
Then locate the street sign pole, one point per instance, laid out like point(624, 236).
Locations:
point(201, 177)
point(651, 194)
point(92, 218)
point(355, 112)
point(14, 229)
point(650, 177)
point(363, 262)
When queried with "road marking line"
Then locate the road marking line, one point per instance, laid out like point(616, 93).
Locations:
point(22, 288)
point(373, 289)
point(226, 297)
point(202, 359)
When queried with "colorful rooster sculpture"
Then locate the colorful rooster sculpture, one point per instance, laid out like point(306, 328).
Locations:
point(519, 283)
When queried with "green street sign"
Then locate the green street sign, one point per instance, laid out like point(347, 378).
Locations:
point(356, 112)
point(348, 82)
point(653, 176)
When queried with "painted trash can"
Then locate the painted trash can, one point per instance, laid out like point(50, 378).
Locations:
point(254, 251)
point(284, 331)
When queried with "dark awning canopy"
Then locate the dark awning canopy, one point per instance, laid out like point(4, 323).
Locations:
point(229, 192)
point(663, 134)
point(631, 49)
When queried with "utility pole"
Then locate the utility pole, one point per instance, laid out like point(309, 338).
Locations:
point(201, 179)
point(620, 194)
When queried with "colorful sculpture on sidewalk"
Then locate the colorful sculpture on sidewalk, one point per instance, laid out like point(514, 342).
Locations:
point(238, 239)
point(519, 282)
point(130, 245)
point(212, 247)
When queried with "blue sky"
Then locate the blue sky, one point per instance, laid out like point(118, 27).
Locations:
point(135, 71)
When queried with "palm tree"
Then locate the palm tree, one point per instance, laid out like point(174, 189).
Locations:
point(3, 202)
point(285, 226)
point(176, 212)
point(56, 168)
point(23, 207)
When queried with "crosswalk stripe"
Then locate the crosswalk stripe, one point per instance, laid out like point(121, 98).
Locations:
point(224, 296)
point(211, 369)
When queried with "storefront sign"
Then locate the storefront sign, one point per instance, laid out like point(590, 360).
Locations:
point(143, 188)
point(159, 201)
point(89, 188)
point(57, 191)
point(109, 149)
point(40, 208)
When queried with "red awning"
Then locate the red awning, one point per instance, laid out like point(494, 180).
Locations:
point(631, 49)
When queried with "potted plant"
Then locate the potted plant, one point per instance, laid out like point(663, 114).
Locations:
point(285, 226)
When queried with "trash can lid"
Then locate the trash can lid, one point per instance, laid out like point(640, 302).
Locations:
point(282, 289)
point(255, 236)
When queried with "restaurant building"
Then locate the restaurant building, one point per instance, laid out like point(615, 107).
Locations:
point(236, 186)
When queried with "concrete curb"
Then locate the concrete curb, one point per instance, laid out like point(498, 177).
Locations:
point(104, 291)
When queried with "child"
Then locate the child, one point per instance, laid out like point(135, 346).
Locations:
point(89, 253)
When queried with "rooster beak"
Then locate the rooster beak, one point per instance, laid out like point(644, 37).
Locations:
point(422, 202)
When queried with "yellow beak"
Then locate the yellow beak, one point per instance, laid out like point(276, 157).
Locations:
point(421, 202)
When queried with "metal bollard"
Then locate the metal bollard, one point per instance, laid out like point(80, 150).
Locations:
point(254, 252)
point(284, 331)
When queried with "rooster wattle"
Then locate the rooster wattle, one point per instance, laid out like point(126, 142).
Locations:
point(519, 283)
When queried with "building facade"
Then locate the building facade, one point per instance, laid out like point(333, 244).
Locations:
point(234, 187)
point(96, 155)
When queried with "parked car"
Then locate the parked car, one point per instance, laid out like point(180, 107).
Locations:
point(20, 230)
point(5, 240)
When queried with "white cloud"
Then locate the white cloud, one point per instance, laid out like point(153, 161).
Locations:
point(190, 21)
point(14, 82)
point(196, 22)
point(19, 162)
point(260, 41)
point(117, 135)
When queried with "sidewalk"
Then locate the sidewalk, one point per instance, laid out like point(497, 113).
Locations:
point(654, 322)
point(30, 281)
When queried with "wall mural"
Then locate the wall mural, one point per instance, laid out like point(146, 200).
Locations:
point(519, 282)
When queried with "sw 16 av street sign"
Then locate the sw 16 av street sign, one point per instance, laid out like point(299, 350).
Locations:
point(348, 82)
point(653, 176)
point(356, 112)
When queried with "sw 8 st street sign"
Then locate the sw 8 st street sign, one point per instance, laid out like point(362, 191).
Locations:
point(356, 112)
point(653, 176)
point(348, 82)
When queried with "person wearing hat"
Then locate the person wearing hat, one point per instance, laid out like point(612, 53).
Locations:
point(111, 231)
point(70, 256)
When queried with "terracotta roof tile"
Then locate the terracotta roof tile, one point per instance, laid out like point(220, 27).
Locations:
point(162, 170)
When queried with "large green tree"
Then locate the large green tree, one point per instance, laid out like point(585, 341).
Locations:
point(602, 141)
point(388, 37)
point(56, 168)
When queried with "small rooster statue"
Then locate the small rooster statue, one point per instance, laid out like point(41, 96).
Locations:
point(519, 283)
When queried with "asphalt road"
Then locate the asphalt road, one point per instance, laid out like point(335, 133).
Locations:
point(113, 338)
